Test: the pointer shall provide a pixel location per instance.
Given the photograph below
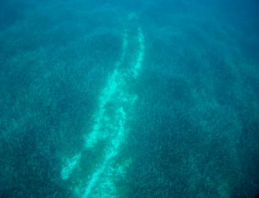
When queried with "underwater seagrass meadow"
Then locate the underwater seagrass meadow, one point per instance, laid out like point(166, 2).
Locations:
point(129, 99)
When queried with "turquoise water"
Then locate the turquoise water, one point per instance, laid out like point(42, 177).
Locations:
point(129, 99)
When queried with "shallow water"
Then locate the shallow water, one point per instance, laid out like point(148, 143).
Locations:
point(129, 99)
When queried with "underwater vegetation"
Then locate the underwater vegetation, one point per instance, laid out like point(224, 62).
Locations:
point(129, 99)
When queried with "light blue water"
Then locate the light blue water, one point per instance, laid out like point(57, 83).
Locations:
point(129, 99)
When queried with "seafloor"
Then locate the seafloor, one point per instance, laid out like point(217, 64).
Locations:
point(113, 99)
